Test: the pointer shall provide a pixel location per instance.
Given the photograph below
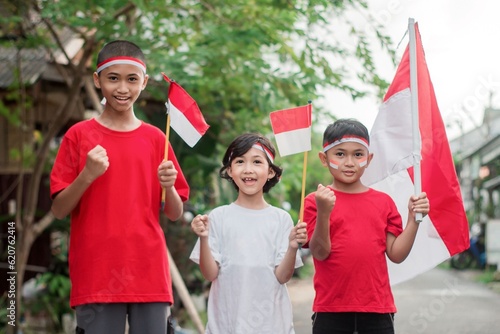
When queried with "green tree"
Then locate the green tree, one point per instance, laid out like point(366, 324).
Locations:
point(239, 59)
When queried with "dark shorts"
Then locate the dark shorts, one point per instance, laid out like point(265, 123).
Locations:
point(142, 318)
point(353, 322)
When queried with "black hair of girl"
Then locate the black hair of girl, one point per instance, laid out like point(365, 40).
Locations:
point(345, 126)
point(239, 147)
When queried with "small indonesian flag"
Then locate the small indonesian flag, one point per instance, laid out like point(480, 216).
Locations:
point(185, 115)
point(292, 129)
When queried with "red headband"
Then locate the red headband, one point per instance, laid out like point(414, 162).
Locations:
point(264, 149)
point(121, 60)
point(346, 139)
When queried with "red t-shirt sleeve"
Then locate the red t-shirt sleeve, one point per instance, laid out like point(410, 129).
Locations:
point(394, 221)
point(66, 165)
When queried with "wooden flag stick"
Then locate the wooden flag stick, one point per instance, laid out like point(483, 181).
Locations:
point(304, 173)
point(167, 136)
point(302, 196)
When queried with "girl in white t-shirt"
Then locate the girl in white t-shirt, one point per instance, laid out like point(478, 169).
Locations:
point(248, 249)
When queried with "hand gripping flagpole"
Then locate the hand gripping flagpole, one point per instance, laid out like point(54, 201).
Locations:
point(417, 176)
point(174, 271)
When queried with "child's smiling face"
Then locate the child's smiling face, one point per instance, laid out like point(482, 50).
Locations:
point(121, 85)
point(251, 171)
point(346, 161)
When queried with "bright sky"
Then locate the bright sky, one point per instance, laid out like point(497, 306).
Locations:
point(461, 40)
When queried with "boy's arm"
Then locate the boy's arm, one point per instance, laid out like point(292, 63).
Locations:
point(398, 248)
point(173, 204)
point(167, 174)
point(284, 271)
point(208, 266)
point(65, 201)
point(320, 243)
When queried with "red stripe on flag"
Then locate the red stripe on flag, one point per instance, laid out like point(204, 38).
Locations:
point(188, 106)
point(290, 119)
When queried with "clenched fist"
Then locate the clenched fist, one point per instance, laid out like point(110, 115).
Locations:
point(200, 225)
point(97, 162)
point(325, 198)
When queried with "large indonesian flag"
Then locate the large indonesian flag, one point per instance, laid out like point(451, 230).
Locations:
point(292, 129)
point(444, 232)
point(185, 115)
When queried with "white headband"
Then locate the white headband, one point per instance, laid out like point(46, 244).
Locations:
point(346, 139)
point(123, 61)
point(265, 150)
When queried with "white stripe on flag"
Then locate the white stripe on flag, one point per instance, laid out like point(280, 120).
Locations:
point(295, 141)
point(391, 139)
point(392, 143)
point(182, 126)
point(429, 249)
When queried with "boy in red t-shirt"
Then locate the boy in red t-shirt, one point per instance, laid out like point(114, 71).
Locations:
point(109, 174)
point(351, 229)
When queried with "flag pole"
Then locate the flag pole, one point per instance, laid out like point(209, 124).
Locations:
point(302, 196)
point(165, 158)
point(167, 137)
point(304, 173)
point(417, 177)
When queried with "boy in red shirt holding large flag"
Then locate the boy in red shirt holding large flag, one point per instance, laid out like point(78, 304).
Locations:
point(351, 229)
point(108, 175)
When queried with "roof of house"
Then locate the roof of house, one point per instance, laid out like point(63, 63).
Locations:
point(33, 61)
point(471, 141)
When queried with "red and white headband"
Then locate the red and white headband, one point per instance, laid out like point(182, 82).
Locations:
point(346, 139)
point(264, 149)
point(121, 60)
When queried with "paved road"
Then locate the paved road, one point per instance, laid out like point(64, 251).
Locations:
point(302, 295)
point(437, 302)
point(446, 301)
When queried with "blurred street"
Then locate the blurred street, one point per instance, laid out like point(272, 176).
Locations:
point(438, 302)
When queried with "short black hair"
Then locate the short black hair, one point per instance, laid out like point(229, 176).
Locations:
point(120, 48)
point(342, 127)
point(239, 146)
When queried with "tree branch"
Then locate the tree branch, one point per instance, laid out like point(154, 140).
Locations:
point(57, 40)
point(62, 116)
point(43, 223)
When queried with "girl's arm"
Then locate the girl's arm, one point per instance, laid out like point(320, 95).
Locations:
point(320, 244)
point(96, 164)
point(284, 271)
point(399, 247)
point(208, 266)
